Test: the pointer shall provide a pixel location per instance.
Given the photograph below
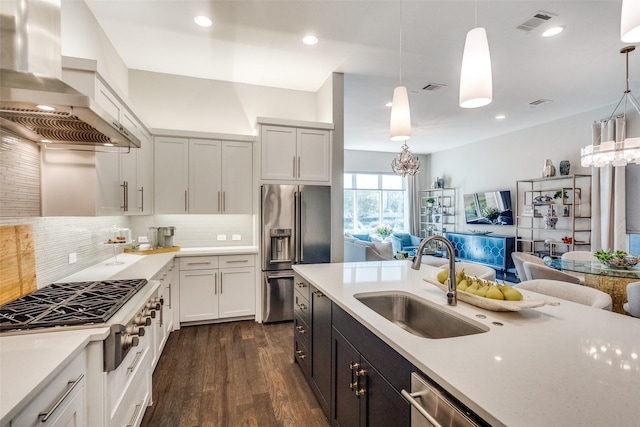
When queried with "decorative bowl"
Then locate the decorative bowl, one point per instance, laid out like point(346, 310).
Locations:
point(622, 263)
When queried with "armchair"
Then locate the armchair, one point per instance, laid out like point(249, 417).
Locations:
point(405, 242)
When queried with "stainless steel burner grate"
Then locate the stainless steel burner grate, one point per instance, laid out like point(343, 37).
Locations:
point(68, 304)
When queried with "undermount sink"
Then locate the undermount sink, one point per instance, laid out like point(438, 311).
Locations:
point(419, 317)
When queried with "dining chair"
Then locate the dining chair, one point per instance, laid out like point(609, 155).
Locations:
point(569, 291)
point(579, 256)
point(521, 257)
point(632, 306)
point(537, 271)
point(478, 270)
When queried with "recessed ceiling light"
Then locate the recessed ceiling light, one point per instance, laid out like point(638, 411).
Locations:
point(46, 108)
point(553, 31)
point(202, 21)
point(388, 104)
point(501, 116)
point(310, 40)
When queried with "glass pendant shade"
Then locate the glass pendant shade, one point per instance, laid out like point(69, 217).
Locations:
point(400, 129)
point(630, 21)
point(476, 87)
point(405, 163)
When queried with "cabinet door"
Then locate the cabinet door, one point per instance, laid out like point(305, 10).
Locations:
point(205, 196)
point(384, 405)
point(279, 158)
point(110, 189)
point(346, 405)
point(144, 189)
point(129, 178)
point(237, 292)
point(314, 155)
point(237, 177)
point(198, 295)
point(171, 172)
point(321, 347)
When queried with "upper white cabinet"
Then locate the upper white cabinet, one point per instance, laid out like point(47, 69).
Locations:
point(295, 154)
point(203, 176)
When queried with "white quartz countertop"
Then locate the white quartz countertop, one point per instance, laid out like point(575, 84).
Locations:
point(565, 365)
point(28, 362)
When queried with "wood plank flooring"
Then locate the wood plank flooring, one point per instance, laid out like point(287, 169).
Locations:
point(231, 374)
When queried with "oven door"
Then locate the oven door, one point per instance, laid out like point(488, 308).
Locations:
point(277, 296)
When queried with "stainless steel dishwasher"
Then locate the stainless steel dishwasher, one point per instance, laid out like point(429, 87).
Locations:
point(431, 408)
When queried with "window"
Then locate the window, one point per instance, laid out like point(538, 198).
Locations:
point(373, 199)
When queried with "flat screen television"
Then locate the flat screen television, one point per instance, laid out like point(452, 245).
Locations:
point(491, 208)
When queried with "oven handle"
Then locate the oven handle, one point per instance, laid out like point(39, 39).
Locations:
point(135, 415)
point(411, 398)
point(44, 416)
point(133, 365)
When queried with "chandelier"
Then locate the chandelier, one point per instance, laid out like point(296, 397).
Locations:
point(616, 153)
point(405, 163)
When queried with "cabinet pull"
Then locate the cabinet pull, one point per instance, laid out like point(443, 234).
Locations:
point(219, 203)
point(186, 203)
point(299, 167)
point(302, 306)
point(199, 263)
point(224, 201)
point(215, 284)
point(45, 415)
point(318, 294)
point(220, 282)
point(295, 173)
point(301, 329)
point(125, 196)
point(141, 199)
point(411, 398)
point(133, 365)
point(301, 354)
point(132, 421)
point(301, 284)
point(236, 260)
point(196, 275)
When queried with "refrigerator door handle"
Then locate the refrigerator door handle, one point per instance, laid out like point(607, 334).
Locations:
point(269, 276)
point(296, 227)
point(300, 226)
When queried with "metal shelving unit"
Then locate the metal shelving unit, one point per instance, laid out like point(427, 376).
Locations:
point(439, 215)
point(553, 215)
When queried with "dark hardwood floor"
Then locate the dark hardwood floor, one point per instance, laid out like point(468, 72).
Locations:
point(231, 374)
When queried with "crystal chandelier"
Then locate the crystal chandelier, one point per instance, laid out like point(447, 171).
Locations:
point(405, 163)
point(611, 152)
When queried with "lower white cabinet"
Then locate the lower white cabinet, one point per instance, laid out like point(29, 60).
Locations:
point(217, 287)
point(62, 402)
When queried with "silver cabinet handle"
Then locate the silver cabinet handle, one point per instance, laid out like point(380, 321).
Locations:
point(411, 398)
point(199, 263)
point(133, 365)
point(186, 203)
point(224, 201)
point(141, 199)
point(45, 415)
point(219, 202)
point(196, 275)
point(215, 284)
point(295, 172)
point(132, 421)
point(220, 282)
point(299, 172)
point(125, 196)
point(236, 260)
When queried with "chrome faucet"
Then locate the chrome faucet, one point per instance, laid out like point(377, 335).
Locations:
point(451, 286)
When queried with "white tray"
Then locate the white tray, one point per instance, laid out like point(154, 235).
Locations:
point(493, 304)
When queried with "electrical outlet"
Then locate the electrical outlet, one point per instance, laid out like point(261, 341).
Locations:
point(222, 237)
point(73, 257)
point(236, 237)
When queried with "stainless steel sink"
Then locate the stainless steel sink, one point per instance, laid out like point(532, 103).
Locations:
point(419, 317)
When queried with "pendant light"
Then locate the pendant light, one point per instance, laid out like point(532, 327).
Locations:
point(630, 21)
point(476, 87)
point(616, 153)
point(400, 128)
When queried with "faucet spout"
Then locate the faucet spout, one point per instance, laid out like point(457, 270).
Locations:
point(452, 298)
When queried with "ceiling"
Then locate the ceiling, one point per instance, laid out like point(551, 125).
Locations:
point(259, 42)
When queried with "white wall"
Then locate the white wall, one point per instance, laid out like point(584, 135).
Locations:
point(378, 162)
point(497, 163)
point(187, 103)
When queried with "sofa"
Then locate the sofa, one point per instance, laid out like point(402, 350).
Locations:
point(356, 250)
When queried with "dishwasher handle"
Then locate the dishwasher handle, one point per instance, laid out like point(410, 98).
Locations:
point(411, 399)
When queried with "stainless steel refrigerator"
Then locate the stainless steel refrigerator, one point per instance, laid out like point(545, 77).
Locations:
point(295, 229)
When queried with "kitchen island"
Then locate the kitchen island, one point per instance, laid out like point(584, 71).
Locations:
point(554, 365)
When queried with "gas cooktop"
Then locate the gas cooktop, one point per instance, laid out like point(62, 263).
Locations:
point(68, 304)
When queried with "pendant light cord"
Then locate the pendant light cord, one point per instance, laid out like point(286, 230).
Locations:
point(476, 21)
point(400, 71)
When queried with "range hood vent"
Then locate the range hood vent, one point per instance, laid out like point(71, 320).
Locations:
point(30, 71)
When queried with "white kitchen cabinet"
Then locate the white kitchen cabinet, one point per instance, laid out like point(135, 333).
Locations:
point(295, 154)
point(62, 402)
point(136, 177)
point(215, 178)
point(210, 293)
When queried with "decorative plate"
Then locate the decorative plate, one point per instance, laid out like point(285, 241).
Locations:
point(494, 304)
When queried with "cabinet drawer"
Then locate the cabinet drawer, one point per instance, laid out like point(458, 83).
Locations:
point(301, 307)
point(301, 330)
point(302, 286)
point(231, 261)
point(301, 354)
point(66, 392)
point(198, 262)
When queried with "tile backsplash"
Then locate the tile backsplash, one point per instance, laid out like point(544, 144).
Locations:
point(56, 237)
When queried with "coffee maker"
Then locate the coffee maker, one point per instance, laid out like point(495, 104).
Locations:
point(165, 237)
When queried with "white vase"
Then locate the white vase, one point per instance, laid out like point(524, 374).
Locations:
point(548, 169)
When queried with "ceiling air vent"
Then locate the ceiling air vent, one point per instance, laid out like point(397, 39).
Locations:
point(538, 102)
point(432, 87)
point(536, 20)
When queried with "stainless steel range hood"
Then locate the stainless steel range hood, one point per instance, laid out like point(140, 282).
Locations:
point(34, 102)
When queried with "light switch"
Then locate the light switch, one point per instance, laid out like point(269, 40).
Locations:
point(236, 237)
point(222, 237)
point(73, 257)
